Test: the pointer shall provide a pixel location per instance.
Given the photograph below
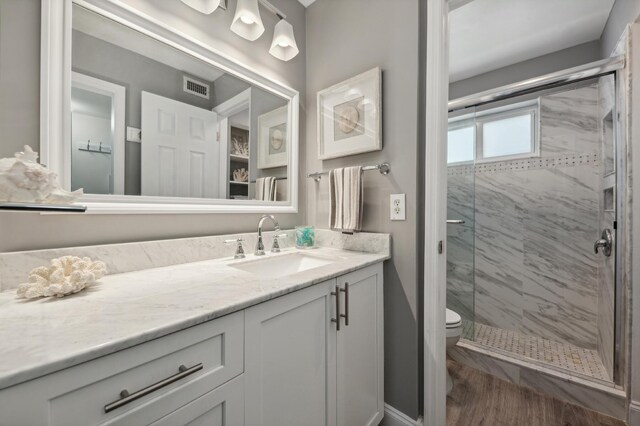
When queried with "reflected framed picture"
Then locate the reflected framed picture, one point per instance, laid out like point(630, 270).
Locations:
point(349, 116)
point(272, 138)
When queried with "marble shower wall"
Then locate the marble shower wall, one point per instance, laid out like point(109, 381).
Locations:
point(535, 223)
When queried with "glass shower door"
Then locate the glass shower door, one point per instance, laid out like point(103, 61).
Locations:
point(461, 218)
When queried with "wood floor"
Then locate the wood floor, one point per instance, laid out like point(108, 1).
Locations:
point(481, 399)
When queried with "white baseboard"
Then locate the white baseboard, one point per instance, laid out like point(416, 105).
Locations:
point(634, 413)
point(394, 417)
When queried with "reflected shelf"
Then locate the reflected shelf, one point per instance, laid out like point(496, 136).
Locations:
point(238, 183)
point(241, 158)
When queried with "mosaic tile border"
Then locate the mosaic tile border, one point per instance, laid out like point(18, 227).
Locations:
point(534, 163)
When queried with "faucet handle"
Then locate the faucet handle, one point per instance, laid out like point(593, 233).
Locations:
point(275, 247)
point(239, 249)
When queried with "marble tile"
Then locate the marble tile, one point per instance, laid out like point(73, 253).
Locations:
point(601, 399)
point(485, 362)
point(499, 250)
point(569, 122)
point(121, 258)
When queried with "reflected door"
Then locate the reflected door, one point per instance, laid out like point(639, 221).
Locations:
point(180, 153)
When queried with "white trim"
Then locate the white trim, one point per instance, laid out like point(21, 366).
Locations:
point(395, 417)
point(55, 120)
point(634, 413)
point(455, 4)
point(118, 95)
point(234, 105)
point(633, 114)
point(437, 88)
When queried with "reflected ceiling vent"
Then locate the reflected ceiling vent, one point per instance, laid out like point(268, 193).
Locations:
point(195, 87)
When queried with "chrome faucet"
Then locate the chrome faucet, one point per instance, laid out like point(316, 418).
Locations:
point(260, 244)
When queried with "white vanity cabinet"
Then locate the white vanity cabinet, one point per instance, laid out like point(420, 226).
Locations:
point(91, 393)
point(302, 369)
point(286, 361)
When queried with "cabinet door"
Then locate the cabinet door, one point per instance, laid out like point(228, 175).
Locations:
point(360, 348)
point(223, 406)
point(290, 354)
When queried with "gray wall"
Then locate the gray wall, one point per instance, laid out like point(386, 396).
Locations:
point(560, 60)
point(19, 74)
point(623, 13)
point(19, 122)
point(344, 39)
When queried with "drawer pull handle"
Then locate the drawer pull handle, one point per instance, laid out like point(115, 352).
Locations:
point(126, 397)
point(345, 290)
point(338, 315)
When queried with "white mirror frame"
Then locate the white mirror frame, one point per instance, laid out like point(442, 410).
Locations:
point(55, 107)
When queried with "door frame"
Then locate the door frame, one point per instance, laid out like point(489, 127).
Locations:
point(435, 187)
point(118, 95)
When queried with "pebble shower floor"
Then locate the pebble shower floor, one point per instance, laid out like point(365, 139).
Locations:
point(566, 356)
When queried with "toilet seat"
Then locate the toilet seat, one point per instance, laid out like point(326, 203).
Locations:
point(454, 320)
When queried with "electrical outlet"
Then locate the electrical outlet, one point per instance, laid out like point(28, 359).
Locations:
point(134, 134)
point(398, 207)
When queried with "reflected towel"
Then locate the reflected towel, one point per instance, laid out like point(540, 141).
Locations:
point(345, 199)
point(266, 189)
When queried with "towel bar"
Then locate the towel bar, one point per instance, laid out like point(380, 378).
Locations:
point(383, 168)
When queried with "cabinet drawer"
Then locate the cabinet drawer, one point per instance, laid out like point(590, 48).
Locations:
point(78, 395)
point(223, 406)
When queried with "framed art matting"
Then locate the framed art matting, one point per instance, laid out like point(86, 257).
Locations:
point(349, 116)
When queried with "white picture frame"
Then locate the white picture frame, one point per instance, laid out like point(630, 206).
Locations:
point(273, 138)
point(349, 116)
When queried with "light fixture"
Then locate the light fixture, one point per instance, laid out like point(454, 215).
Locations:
point(284, 45)
point(203, 6)
point(246, 22)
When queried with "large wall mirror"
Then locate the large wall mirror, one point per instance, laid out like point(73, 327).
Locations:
point(156, 121)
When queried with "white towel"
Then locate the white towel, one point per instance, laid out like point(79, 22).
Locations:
point(345, 208)
point(266, 189)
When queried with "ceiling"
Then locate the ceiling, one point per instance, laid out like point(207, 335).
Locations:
point(110, 31)
point(306, 3)
point(491, 34)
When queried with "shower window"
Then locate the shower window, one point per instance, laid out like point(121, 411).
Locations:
point(495, 135)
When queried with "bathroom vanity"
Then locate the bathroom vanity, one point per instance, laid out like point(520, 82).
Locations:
point(222, 341)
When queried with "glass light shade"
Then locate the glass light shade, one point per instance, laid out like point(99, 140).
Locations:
point(246, 22)
point(203, 6)
point(284, 45)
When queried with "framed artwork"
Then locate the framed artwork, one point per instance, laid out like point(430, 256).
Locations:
point(273, 138)
point(349, 116)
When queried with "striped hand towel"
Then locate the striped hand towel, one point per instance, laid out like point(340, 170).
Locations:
point(346, 201)
point(266, 189)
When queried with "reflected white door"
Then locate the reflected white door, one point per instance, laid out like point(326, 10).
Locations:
point(180, 153)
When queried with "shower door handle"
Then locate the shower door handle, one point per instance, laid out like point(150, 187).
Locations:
point(455, 222)
point(605, 243)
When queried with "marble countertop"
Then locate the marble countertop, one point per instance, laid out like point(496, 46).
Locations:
point(46, 335)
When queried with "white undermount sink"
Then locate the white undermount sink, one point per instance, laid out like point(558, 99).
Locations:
point(282, 265)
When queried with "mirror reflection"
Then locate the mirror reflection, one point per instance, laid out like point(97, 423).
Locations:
point(148, 119)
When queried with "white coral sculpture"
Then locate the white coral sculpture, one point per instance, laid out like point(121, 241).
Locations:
point(66, 275)
point(23, 180)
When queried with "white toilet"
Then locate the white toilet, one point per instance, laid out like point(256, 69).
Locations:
point(454, 330)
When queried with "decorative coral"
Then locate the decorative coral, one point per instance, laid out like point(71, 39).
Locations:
point(239, 148)
point(240, 175)
point(66, 275)
point(23, 180)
